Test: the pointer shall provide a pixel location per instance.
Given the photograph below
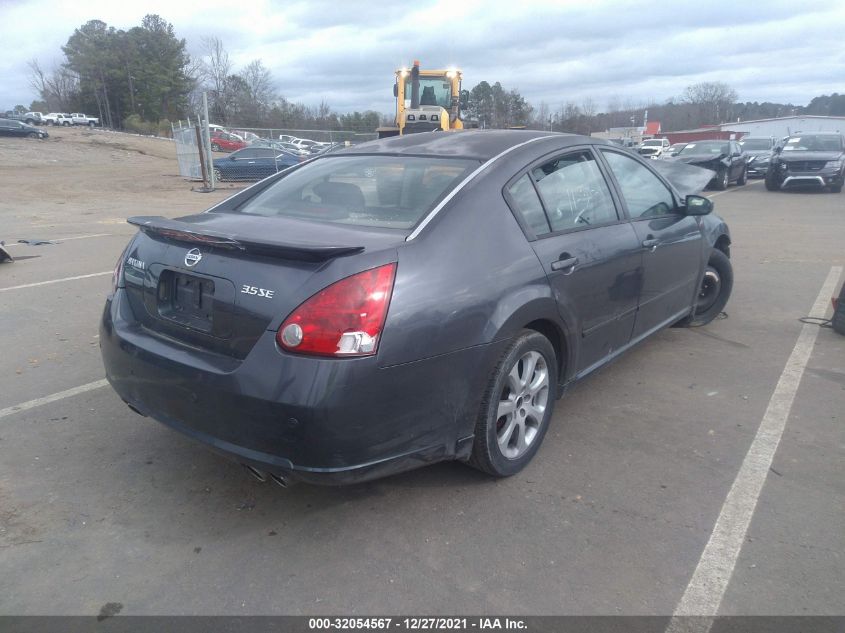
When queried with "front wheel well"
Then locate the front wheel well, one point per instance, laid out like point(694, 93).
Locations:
point(556, 337)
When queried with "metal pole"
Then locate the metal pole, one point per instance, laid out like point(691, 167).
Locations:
point(207, 136)
point(202, 161)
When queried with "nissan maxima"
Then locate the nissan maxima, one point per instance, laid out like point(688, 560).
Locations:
point(406, 301)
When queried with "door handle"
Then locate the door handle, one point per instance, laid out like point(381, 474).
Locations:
point(651, 244)
point(563, 264)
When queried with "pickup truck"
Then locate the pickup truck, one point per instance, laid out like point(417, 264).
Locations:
point(77, 118)
point(57, 118)
point(30, 118)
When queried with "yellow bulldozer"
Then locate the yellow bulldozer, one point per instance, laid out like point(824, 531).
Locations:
point(426, 101)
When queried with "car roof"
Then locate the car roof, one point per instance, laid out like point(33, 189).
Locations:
point(476, 144)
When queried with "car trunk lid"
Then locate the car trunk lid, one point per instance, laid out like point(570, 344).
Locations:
point(217, 281)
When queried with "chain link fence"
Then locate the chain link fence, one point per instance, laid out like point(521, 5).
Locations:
point(244, 154)
point(188, 149)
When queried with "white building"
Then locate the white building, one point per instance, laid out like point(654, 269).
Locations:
point(785, 126)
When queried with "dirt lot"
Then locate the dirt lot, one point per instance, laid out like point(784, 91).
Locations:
point(101, 509)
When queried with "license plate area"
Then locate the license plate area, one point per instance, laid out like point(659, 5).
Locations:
point(187, 300)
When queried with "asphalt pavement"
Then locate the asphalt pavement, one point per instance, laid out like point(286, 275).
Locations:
point(614, 516)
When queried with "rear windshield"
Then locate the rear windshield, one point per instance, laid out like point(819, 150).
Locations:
point(380, 191)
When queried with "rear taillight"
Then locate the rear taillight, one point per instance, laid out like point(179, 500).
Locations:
point(344, 319)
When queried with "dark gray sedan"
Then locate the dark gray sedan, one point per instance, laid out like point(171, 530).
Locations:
point(406, 301)
point(8, 127)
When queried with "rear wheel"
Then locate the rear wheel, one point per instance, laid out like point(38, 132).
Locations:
point(714, 291)
point(66, 123)
point(721, 180)
point(90, 124)
point(516, 407)
point(218, 175)
point(743, 177)
point(215, 147)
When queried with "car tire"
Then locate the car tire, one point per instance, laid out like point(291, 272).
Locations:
point(90, 124)
point(33, 135)
point(714, 290)
point(517, 406)
point(837, 188)
point(771, 185)
point(218, 175)
point(215, 147)
point(66, 123)
point(721, 180)
point(743, 177)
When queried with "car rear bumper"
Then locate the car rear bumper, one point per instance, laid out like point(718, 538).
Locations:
point(328, 421)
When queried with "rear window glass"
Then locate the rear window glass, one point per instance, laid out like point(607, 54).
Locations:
point(380, 191)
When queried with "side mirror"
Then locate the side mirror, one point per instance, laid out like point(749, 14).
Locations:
point(464, 98)
point(698, 205)
point(395, 90)
point(778, 149)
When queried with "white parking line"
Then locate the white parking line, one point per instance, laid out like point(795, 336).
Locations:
point(56, 281)
point(708, 584)
point(52, 398)
point(737, 188)
point(59, 240)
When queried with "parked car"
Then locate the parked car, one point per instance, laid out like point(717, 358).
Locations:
point(759, 150)
point(226, 142)
point(673, 150)
point(78, 118)
point(30, 118)
point(9, 127)
point(329, 328)
point(653, 147)
point(725, 158)
point(57, 118)
point(253, 163)
point(815, 160)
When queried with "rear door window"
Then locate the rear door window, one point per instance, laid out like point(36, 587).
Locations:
point(574, 192)
point(526, 202)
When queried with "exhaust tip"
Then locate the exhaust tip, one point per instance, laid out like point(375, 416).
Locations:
point(259, 475)
point(280, 479)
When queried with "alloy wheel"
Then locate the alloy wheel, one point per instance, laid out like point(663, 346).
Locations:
point(522, 405)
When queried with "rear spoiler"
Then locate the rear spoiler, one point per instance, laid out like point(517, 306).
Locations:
point(186, 233)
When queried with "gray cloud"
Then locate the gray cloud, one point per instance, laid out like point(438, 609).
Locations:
point(345, 53)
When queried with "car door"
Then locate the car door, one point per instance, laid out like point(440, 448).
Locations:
point(246, 164)
point(589, 251)
point(737, 160)
point(670, 241)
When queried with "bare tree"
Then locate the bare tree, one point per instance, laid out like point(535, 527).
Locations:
point(260, 91)
point(215, 68)
point(714, 100)
point(57, 87)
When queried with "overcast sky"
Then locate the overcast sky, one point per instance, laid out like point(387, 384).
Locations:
point(345, 51)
